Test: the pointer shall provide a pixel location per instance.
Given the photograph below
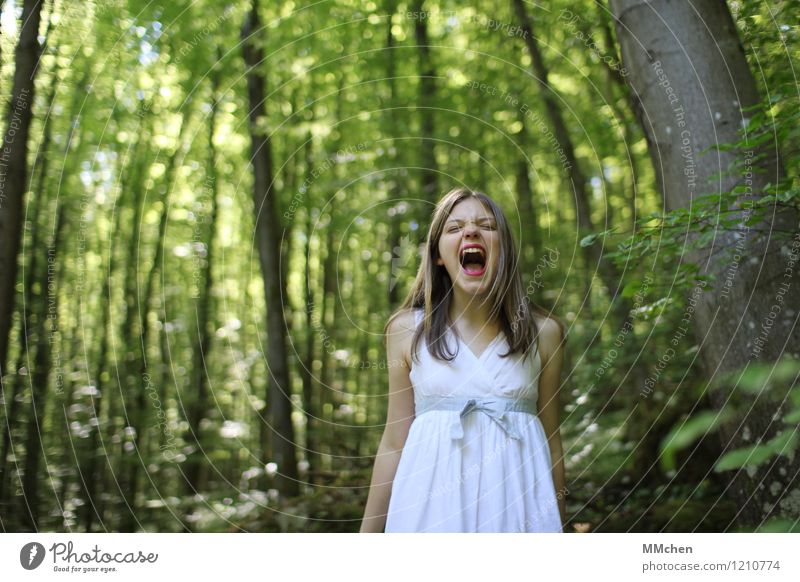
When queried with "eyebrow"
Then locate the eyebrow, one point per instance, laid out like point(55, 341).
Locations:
point(458, 220)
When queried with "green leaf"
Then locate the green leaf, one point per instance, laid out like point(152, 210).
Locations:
point(792, 417)
point(588, 241)
point(760, 376)
point(753, 378)
point(782, 444)
point(631, 288)
point(681, 436)
point(786, 370)
point(780, 525)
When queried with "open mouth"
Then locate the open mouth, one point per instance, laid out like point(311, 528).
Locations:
point(473, 261)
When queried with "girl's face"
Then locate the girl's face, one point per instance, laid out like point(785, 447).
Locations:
point(469, 246)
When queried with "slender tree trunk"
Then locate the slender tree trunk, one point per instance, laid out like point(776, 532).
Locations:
point(268, 225)
point(327, 315)
point(327, 329)
point(577, 179)
point(290, 172)
point(47, 326)
point(530, 238)
point(615, 78)
point(426, 99)
point(91, 462)
point(640, 427)
point(196, 471)
point(309, 381)
point(140, 380)
point(691, 104)
point(393, 191)
point(14, 165)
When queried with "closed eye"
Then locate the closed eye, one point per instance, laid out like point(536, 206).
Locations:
point(485, 226)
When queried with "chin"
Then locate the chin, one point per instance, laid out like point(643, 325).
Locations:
point(472, 285)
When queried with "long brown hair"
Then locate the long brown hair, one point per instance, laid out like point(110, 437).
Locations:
point(432, 288)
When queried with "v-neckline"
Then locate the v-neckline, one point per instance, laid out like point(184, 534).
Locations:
point(486, 349)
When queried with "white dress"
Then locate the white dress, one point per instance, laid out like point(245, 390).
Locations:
point(474, 466)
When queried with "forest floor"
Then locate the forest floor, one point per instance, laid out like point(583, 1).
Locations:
point(606, 494)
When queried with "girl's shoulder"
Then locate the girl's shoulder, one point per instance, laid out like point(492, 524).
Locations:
point(551, 334)
point(400, 333)
point(403, 320)
point(548, 325)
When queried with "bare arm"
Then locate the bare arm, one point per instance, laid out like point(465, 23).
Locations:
point(399, 417)
point(549, 405)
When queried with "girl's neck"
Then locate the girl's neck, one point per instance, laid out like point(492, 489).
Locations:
point(473, 312)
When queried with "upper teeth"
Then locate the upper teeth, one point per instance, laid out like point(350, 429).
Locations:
point(472, 250)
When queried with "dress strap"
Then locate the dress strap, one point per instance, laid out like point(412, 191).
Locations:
point(494, 407)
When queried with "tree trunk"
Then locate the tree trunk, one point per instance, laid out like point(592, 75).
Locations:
point(196, 471)
point(427, 95)
point(393, 192)
point(139, 379)
point(691, 104)
point(29, 316)
point(268, 225)
point(615, 78)
point(14, 164)
point(91, 463)
point(327, 328)
point(310, 385)
point(593, 253)
point(47, 326)
point(530, 239)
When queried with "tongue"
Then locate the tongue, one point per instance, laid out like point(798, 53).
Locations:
point(473, 268)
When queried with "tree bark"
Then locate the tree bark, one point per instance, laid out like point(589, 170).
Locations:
point(91, 463)
point(686, 105)
point(393, 191)
point(310, 383)
point(14, 164)
point(583, 212)
point(29, 316)
point(530, 240)
point(196, 471)
point(268, 225)
point(137, 406)
point(427, 96)
point(47, 325)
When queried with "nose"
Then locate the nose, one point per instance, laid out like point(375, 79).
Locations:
point(470, 229)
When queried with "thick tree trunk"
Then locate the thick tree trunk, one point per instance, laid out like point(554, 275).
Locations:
point(268, 225)
point(14, 164)
point(29, 315)
point(687, 104)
